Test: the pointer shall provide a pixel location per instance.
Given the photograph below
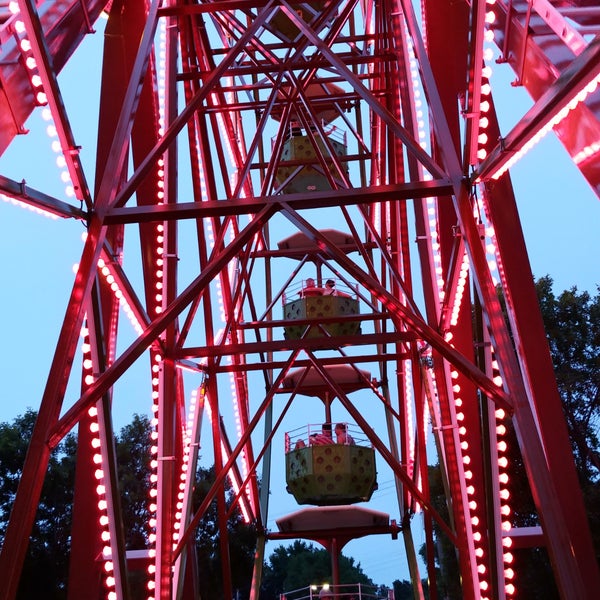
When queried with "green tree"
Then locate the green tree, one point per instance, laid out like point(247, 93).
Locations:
point(133, 457)
point(300, 565)
point(403, 590)
point(242, 542)
point(572, 323)
point(534, 575)
point(45, 569)
point(46, 565)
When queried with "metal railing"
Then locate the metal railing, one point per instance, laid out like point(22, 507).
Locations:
point(348, 591)
point(301, 436)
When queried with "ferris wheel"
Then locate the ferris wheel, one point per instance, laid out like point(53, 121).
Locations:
point(304, 213)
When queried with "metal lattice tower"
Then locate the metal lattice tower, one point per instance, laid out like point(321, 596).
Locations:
point(244, 146)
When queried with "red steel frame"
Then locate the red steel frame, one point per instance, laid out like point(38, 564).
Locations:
point(220, 93)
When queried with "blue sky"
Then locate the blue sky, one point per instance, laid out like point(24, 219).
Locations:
point(560, 217)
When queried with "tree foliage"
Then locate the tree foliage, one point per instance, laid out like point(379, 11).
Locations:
point(300, 565)
point(447, 573)
point(241, 543)
point(403, 590)
point(45, 570)
point(572, 325)
point(572, 322)
point(46, 565)
point(133, 457)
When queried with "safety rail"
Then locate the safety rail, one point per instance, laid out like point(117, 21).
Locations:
point(296, 290)
point(301, 436)
point(350, 591)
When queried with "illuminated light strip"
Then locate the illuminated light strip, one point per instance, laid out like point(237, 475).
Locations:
point(184, 474)
point(41, 98)
point(156, 308)
point(430, 202)
point(219, 291)
point(235, 486)
point(103, 518)
point(108, 567)
point(416, 83)
point(25, 45)
point(159, 264)
point(236, 413)
point(460, 290)
point(61, 161)
point(588, 152)
point(441, 285)
point(486, 74)
point(191, 447)
point(156, 359)
point(492, 253)
point(473, 523)
point(565, 95)
point(225, 138)
point(562, 114)
point(478, 547)
point(235, 398)
point(225, 457)
point(417, 92)
point(162, 74)
point(233, 381)
point(484, 107)
point(505, 509)
point(105, 271)
point(235, 395)
point(211, 243)
point(376, 217)
point(185, 465)
point(409, 393)
point(435, 247)
point(25, 205)
point(489, 238)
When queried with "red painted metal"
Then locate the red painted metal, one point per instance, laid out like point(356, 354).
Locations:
point(203, 117)
point(545, 57)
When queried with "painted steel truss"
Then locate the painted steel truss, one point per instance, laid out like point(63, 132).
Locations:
point(233, 126)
